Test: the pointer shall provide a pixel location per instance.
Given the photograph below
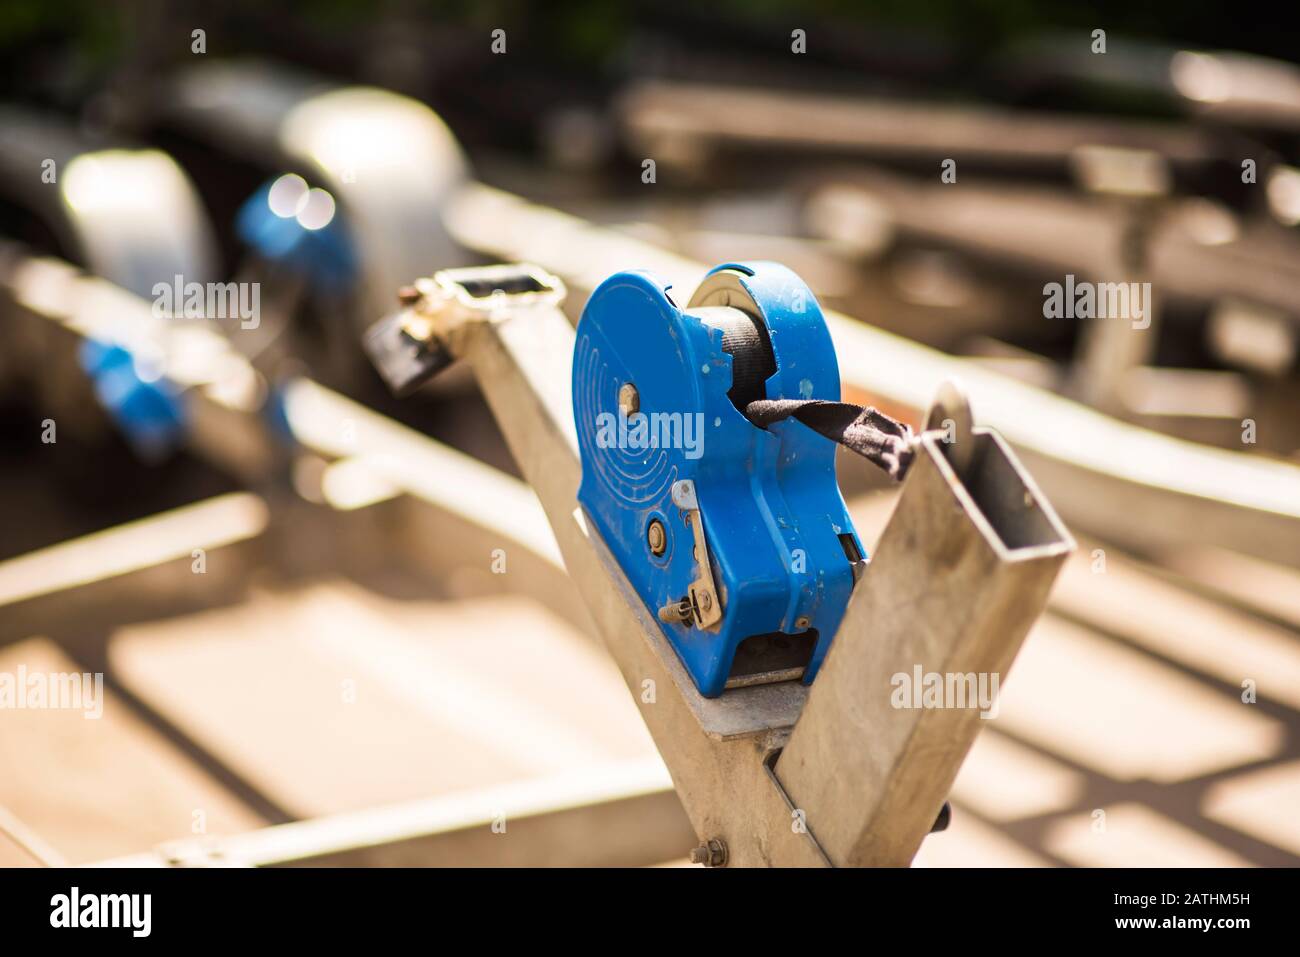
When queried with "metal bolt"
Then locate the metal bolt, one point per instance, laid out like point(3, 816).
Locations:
point(711, 854)
point(676, 611)
point(629, 400)
point(656, 537)
point(802, 623)
point(706, 601)
point(408, 295)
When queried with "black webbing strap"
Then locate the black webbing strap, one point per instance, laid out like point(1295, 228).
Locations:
point(881, 440)
point(869, 432)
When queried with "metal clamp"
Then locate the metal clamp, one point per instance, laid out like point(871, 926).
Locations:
point(414, 344)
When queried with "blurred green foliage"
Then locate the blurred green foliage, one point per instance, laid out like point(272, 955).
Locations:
point(578, 31)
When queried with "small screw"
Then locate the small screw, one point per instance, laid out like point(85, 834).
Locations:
point(629, 400)
point(706, 601)
point(408, 295)
point(802, 623)
point(711, 854)
point(656, 538)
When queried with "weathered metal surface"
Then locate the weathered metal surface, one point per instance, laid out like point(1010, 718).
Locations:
point(959, 576)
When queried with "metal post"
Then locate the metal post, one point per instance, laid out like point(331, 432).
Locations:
point(960, 574)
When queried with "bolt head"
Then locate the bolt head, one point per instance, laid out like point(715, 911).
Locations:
point(711, 854)
point(656, 537)
point(706, 601)
point(629, 400)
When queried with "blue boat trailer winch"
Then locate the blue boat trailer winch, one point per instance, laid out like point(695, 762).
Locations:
point(735, 535)
point(707, 439)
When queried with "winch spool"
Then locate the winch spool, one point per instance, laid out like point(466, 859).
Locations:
point(745, 339)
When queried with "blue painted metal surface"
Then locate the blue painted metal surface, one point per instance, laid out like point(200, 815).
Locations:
point(772, 509)
point(325, 255)
point(149, 410)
